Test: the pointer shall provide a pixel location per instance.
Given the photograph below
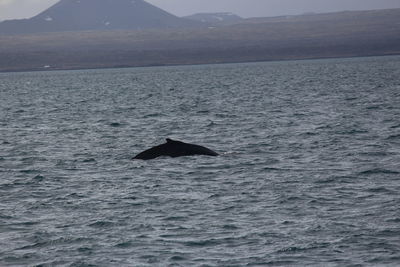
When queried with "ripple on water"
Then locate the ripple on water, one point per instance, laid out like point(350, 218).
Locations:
point(116, 124)
point(378, 171)
point(30, 171)
point(125, 245)
point(102, 224)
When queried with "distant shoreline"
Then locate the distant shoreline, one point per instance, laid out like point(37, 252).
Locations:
point(200, 64)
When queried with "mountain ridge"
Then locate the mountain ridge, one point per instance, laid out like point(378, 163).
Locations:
point(84, 15)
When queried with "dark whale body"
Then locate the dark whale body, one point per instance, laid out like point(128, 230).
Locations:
point(174, 149)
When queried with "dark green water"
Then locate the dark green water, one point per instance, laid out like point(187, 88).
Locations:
point(309, 173)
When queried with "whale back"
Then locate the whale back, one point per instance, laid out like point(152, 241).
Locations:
point(173, 148)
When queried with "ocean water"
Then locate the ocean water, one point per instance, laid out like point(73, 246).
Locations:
point(309, 172)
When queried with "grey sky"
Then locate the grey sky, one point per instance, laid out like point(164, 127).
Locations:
point(247, 8)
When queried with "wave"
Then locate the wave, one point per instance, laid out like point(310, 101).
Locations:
point(378, 171)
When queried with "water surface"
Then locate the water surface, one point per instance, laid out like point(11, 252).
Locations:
point(309, 173)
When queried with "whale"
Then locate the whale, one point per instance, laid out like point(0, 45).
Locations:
point(174, 148)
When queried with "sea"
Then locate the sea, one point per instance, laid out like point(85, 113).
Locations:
point(308, 172)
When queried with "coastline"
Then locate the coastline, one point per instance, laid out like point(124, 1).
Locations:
point(190, 64)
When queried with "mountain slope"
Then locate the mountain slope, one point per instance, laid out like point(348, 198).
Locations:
point(83, 15)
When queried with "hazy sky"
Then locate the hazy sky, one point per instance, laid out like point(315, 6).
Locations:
point(246, 8)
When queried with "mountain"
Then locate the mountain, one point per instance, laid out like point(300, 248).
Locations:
point(84, 15)
point(215, 18)
point(342, 34)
